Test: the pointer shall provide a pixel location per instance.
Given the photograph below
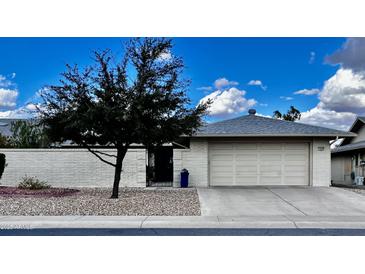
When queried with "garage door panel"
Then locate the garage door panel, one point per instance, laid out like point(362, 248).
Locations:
point(266, 157)
point(292, 180)
point(259, 164)
point(293, 157)
point(245, 147)
point(270, 168)
point(249, 157)
point(242, 169)
point(270, 146)
point(222, 157)
point(298, 168)
point(221, 146)
point(296, 146)
point(223, 169)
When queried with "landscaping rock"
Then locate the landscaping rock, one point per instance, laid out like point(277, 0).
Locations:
point(96, 201)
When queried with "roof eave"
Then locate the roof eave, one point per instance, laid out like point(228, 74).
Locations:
point(342, 135)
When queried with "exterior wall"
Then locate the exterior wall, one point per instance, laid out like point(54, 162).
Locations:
point(321, 162)
point(360, 135)
point(195, 160)
point(72, 167)
point(341, 169)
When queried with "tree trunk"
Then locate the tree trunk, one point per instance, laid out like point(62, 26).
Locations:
point(118, 170)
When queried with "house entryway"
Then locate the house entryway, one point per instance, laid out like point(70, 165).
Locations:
point(160, 166)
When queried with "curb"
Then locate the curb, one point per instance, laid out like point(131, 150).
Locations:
point(140, 222)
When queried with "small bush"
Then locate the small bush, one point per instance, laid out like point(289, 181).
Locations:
point(32, 183)
point(2, 164)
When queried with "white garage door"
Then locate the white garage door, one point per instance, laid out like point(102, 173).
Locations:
point(243, 164)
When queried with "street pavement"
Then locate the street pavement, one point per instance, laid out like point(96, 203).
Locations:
point(180, 232)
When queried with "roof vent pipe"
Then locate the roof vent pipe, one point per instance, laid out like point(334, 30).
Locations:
point(252, 111)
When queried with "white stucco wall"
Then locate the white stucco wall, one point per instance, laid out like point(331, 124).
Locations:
point(72, 167)
point(321, 163)
point(195, 160)
point(337, 169)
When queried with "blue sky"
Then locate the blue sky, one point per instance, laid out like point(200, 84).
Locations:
point(278, 66)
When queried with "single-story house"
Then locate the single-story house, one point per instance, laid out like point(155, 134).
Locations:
point(348, 158)
point(250, 150)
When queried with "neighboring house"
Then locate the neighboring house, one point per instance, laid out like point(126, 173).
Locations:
point(246, 151)
point(348, 158)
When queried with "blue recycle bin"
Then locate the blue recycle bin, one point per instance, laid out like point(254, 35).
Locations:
point(184, 178)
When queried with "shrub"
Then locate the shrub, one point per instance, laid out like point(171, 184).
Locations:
point(2, 164)
point(5, 142)
point(32, 183)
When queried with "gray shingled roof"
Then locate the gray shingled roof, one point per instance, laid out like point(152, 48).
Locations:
point(362, 118)
point(349, 147)
point(253, 125)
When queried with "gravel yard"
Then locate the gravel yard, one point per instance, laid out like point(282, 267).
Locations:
point(96, 201)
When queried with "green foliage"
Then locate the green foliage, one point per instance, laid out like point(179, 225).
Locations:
point(105, 104)
point(32, 183)
point(28, 134)
point(5, 142)
point(2, 164)
point(292, 115)
point(138, 99)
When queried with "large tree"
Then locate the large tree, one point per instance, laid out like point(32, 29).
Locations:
point(292, 114)
point(28, 134)
point(140, 99)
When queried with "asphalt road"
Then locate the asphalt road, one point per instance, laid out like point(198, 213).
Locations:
point(181, 232)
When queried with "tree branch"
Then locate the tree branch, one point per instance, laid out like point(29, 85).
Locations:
point(106, 154)
point(98, 156)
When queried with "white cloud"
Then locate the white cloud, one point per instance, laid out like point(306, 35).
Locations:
point(32, 107)
point(312, 57)
point(351, 55)
point(224, 82)
point(328, 118)
point(205, 88)
point(342, 97)
point(344, 92)
point(257, 83)
point(228, 102)
point(26, 111)
point(8, 98)
point(165, 56)
point(286, 98)
point(308, 91)
point(4, 82)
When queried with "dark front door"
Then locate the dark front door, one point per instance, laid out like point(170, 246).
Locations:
point(161, 164)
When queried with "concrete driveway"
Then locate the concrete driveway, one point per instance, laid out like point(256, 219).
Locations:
point(281, 201)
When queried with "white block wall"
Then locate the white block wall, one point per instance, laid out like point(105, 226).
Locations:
point(321, 163)
point(195, 160)
point(72, 167)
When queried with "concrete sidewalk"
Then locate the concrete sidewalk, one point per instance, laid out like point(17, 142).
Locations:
point(323, 222)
